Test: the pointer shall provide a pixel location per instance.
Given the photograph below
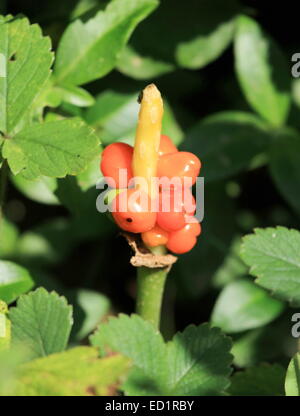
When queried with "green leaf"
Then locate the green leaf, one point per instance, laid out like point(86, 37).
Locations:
point(76, 372)
point(285, 168)
point(262, 71)
point(76, 96)
point(292, 381)
point(266, 343)
point(5, 328)
point(41, 322)
point(39, 190)
point(212, 34)
point(203, 30)
point(9, 238)
point(232, 267)
point(114, 115)
point(25, 67)
point(89, 308)
point(46, 244)
point(88, 51)
point(196, 362)
point(52, 149)
point(243, 305)
point(141, 67)
point(14, 280)
point(273, 255)
point(263, 380)
point(227, 142)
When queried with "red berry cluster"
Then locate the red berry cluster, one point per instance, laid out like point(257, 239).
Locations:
point(177, 228)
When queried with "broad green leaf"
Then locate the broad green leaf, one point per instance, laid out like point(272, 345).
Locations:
point(9, 237)
point(232, 267)
point(39, 190)
point(196, 362)
point(292, 380)
point(41, 322)
point(212, 34)
point(190, 36)
point(76, 96)
point(266, 343)
point(24, 68)
point(285, 168)
point(52, 149)
point(141, 67)
point(88, 51)
point(263, 380)
point(243, 305)
point(89, 308)
point(46, 244)
point(14, 280)
point(262, 71)
point(114, 115)
point(76, 372)
point(226, 143)
point(273, 255)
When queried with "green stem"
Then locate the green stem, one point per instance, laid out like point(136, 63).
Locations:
point(150, 289)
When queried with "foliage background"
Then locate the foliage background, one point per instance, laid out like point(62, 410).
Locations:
point(248, 160)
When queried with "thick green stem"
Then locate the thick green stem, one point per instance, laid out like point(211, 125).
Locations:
point(150, 289)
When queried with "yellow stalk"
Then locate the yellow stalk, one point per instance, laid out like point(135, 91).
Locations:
point(147, 138)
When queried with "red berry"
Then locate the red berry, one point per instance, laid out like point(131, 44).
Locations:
point(194, 226)
point(166, 146)
point(170, 216)
point(180, 164)
point(182, 241)
point(155, 237)
point(117, 156)
point(131, 210)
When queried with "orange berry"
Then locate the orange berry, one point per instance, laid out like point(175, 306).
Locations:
point(131, 210)
point(117, 156)
point(180, 164)
point(182, 241)
point(155, 237)
point(171, 215)
point(166, 146)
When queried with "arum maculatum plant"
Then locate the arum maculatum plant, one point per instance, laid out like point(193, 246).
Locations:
point(157, 214)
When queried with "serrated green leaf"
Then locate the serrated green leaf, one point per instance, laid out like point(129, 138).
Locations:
point(14, 280)
point(273, 255)
point(76, 372)
point(263, 380)
point(196, 361)
point(89, 50)
point(285, 168)
point(242, 305)
point(41, 322)
point(292, 380)
point(25, 67)
point(39, 190)
point(227, 142)
point(52, 149)
point(262, 71)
